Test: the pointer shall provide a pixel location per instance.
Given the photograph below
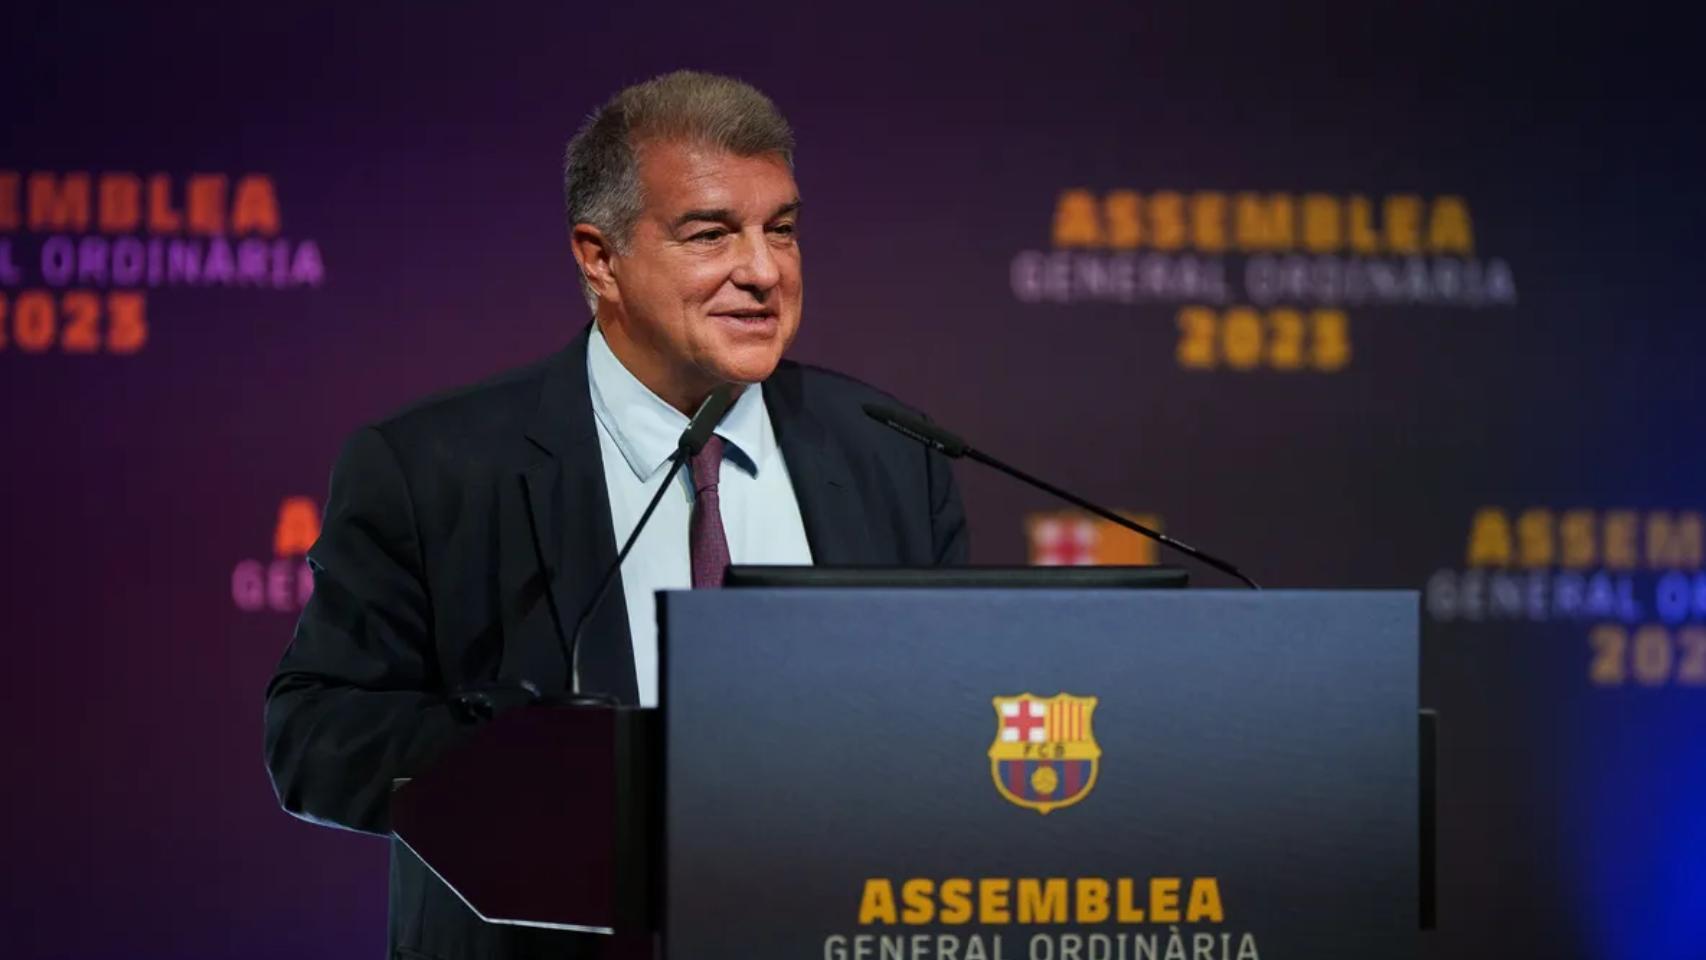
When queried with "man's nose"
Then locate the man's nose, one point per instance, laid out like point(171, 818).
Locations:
point(757, 270)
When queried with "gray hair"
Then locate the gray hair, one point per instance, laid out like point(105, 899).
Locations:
point(601, 177)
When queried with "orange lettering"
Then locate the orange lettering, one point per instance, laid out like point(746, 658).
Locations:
point(1577, 545)
point(204, 203)
point(1404, 223)
point(121, 202)
point(1167, 220)
point(298, 526)
point(82, 332)
point(1164, 899)
point(1320, 223)
point(919, 908)
point(1617, 549)
point(1125, 230)
point(59, 204)
point(1075, 221)
point(127, 326)
point(1534, 538)
point(1208, 221)
point(1260, 224)
point(1042, 901)
point(1362, 236)
point(9, 219)
point(956, 901)
point(1091, 901)
point(1448, 227)
point(34, 321)
point(162, 218)
point(255, 206)
point(1128, 911)
point(992, 902)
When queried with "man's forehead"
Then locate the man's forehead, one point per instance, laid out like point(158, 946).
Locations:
point(684, 174)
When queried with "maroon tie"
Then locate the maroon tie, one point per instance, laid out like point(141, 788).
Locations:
point(706, 543)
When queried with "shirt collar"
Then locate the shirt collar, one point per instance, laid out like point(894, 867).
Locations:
point(646, 429)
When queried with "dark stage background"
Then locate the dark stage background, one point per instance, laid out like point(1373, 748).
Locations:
point(1358, 299)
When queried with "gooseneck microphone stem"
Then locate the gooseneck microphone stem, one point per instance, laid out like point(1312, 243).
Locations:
point(676, 461)
point(693, 439)
point(950, 445)
point(1111, 516)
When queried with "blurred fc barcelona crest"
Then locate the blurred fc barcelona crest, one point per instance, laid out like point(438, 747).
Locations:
point(1045, 754)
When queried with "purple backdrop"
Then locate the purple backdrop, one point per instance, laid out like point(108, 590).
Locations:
point(1027, 219)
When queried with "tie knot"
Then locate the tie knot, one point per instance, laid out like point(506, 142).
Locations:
point(707, 464)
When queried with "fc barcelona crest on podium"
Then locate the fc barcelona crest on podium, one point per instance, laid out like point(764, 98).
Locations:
point(1045, 755)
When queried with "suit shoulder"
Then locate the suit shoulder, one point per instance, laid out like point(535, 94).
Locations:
point(817, 385)
point(472, 416)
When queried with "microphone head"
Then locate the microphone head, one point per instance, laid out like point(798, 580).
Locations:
point(705, 420)
point(918, 429)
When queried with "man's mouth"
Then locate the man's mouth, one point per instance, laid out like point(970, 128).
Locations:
point(747, 317)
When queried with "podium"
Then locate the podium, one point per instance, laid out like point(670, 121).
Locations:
point(1045, 774)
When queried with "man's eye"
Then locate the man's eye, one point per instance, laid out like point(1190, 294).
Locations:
point(784, 229)
point(709, 236)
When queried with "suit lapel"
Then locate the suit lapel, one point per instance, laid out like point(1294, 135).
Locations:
point(823, 481)
point(567, 543)
point(558, 539)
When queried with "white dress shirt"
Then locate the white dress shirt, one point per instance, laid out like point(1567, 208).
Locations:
point(637, 432)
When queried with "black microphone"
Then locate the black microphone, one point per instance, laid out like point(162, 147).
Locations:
point(693, 439)
point(946, 443)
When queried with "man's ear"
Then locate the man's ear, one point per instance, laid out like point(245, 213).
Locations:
point(595, 253)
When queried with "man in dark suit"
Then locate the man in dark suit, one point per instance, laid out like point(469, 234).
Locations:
point(464, 537)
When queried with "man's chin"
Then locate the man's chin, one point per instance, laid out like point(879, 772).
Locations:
point(748, 376)
point(747, 369)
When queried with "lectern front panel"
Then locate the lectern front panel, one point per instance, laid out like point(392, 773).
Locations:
point(1039, 774)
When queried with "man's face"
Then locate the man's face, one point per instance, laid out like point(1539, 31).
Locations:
point(709, 288)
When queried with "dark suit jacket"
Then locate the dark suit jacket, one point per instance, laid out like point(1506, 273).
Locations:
point(462, 537)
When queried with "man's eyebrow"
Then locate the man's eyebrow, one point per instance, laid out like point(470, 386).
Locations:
point(719, 215)
point(724, 215)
